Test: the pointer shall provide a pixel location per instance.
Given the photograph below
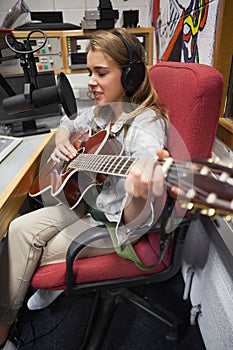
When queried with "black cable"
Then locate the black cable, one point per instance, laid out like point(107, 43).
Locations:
point(35, 338)
point(25, 52)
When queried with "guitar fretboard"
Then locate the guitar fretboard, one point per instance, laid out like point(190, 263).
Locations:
point(105, 164)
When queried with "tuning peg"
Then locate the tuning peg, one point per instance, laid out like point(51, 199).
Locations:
point(190, 206)
point(228, 218)
point(191, 193)
point(211, 212)
point(224, 176)
point(205, 170)
point(216, 160)
point(211, 198)
point(186, 205)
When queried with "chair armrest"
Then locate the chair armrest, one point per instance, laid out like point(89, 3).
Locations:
point(96, 233)
point(79, 243)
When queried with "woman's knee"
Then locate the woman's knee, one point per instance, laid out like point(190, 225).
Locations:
point(21, 230)
point(16, 226)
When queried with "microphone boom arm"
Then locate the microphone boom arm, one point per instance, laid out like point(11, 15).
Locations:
point(33, 97)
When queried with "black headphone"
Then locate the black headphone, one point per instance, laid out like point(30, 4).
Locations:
point(134, 74)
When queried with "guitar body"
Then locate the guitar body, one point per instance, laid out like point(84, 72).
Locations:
point(72, 186)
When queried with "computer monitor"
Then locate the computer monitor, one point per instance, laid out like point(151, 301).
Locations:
point(25, 123)
point(47, 16)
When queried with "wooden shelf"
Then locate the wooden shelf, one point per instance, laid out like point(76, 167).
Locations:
point(67, 41)
point(225, 132)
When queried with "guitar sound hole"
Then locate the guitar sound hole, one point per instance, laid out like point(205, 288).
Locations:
point(65, 167)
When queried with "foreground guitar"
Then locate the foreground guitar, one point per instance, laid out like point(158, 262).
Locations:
point(199, 183)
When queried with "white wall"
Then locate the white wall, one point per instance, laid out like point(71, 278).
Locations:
point(73, 10)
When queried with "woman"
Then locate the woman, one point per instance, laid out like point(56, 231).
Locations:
point(126, 106)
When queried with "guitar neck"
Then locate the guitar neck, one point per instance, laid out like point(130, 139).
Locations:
point(105, 164)
point(197, 184)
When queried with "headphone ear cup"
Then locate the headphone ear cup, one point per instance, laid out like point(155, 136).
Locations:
point(134, 74)
point(126, 79)
point(132, 77)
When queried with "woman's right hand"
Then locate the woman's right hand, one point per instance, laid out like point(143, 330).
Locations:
point(64, 150)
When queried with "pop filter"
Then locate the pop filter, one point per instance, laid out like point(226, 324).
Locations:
point(36, 98)
point(66, 95)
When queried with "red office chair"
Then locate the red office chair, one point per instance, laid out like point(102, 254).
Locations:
point(192, 93)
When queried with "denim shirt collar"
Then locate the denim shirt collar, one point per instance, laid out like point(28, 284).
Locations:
point(102, 123)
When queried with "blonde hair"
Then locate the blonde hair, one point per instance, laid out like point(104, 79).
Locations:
point(109, 43)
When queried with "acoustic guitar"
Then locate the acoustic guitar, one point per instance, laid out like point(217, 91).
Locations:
point(201, 185)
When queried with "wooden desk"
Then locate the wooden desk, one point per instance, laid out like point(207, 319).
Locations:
point(18, 171)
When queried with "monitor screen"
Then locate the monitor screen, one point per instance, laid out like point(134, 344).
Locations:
point(47, 16)
point(25, 122)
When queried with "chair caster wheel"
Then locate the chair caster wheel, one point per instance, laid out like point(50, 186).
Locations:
point(172, 335)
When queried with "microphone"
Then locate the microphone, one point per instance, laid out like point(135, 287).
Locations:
point(36, 98)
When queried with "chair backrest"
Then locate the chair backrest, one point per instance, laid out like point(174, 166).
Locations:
point(192, 94)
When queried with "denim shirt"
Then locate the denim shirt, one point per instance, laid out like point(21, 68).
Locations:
point(145, 134)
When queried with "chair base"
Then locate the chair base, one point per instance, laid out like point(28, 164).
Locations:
point(103, 310)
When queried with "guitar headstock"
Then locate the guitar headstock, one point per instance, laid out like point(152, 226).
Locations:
point(202, 186)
